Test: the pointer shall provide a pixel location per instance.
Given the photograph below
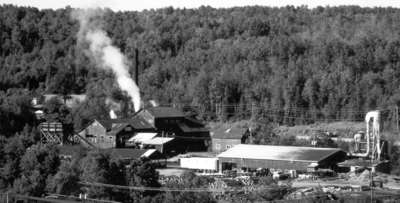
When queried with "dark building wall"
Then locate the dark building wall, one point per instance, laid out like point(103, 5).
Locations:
point(220, 145)
point(261, 163)
point(123, 136)
point(168, 125)
point(193, 144)
point(331, 160)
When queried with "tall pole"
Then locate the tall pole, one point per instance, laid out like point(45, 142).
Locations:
point(252, 111)
point(397, 118)
point(137, 66)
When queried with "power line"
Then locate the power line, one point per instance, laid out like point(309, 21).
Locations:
point(216, 190)
point(284, 112)
point(181, 189)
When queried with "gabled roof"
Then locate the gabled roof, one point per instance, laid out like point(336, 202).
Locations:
point(228, 132)
point(274, 152)
point(165, 112)
point(138, 122)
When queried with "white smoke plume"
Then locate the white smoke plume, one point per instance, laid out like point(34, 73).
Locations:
point(105, 54)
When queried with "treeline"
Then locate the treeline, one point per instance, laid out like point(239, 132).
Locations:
point(331, 61)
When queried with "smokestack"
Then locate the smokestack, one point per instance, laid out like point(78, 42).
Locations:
point(137, 66)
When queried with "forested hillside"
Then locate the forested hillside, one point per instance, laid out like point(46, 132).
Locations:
point(329, 61)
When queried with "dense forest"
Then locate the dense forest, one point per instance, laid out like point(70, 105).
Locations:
point(327, 62)
point(295, 63)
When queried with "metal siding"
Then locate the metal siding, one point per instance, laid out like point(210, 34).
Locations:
point(262, 163)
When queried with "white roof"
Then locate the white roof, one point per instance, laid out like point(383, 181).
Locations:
point(141, 137)
point(273, 152)
point(158, 140)
point(148, 152)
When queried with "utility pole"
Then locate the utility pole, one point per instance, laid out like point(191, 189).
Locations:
point(252, 110)
point(216, 110)
point(397, 118)
point(372, 179)
point(137, 66)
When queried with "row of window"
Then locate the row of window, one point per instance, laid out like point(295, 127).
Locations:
point(102, 138)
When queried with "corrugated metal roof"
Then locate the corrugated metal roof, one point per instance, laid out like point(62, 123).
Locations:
point(140, 137)
point(273, 152)
point(138, 122)
point(165, 112)
point(158, 140)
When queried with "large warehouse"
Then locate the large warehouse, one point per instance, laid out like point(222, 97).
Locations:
point(280, 157)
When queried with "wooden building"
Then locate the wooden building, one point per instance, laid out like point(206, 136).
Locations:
point(228, 136)
point(113, 133)
point(52, 132)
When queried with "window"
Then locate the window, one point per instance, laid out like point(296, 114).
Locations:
point(217, 146)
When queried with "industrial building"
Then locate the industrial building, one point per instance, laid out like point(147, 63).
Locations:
point(227, 136)
point(246, 156)
point(113, 133)
point(189, 134)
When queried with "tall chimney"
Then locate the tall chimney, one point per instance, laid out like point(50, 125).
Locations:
point(137, 66)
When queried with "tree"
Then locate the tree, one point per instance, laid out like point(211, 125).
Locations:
point(13, 150)
point(97, 167)
point(142, 173)
point(39, 163)
point(65, 181)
